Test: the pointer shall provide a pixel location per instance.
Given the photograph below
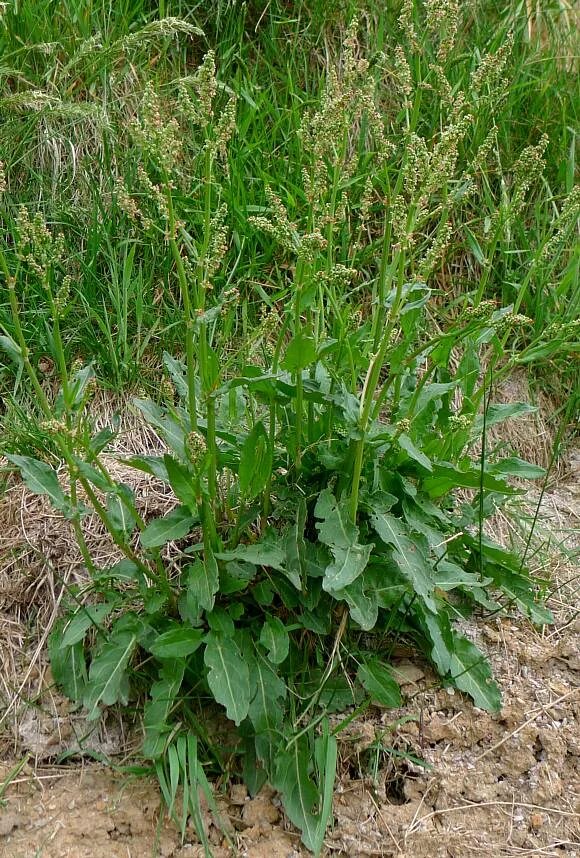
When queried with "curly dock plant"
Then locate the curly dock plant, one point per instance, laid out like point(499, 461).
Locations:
point(313, 467)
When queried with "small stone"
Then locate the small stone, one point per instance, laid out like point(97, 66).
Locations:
point(238, 794)
point(260, 811)
point(536, 821)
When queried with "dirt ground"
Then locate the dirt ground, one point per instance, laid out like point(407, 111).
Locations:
point(436, 777)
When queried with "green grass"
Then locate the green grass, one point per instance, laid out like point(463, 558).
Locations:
point(312, 248)
point(62, 158)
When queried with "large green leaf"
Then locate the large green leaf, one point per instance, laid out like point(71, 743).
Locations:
point(299, 793)
point(40, 478)
point(296, 547)
point(440, 633)
point(202, 582)
point(156, 713)
point(446, 477)
point(498, 413)
point(376, 678)
point(516, 467)
point(228, 675)
point(68, 664)
point(168, 427)
point(121, 509)
point(340, 534)
point(471, 673)
point(408, 553)
point(178, 642)
point(363, 603)
point(266, 707)
point(183, 482)
point(255, 462)
point(301, 352)
point(275, 639)
point(84, 617)
point(269, 551)
point(108, 675)
point(175, 525)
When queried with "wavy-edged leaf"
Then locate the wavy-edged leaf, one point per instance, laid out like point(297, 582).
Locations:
point(121, 509)
point(81, 621)
point(175, 525)
point(157, 710)
point(182, 481)
point(340, 534)
point(108, 675)
point(202, 582)
point(255, 462)
point(228, 675)
point(516, 467)
point(275, 639)
point(168, 427)
point(178, 642)
point(269, 551)
point(376, 678)
point(471, 673)
point(299, 794)
point(40, 478)
point(68, 664)
point(363, 604)
point(296, 547)
point(414, 453)
point(408, 553)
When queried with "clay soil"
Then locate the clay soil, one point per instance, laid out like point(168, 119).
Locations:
point(437, 777)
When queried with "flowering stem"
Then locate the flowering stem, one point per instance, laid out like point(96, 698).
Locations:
point(370, 386)
point(187, 312)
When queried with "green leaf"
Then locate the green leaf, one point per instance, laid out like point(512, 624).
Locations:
point(108, 676)
point(175, 525)
point(520, 589)
point(255, 462)
point(340, 534)
point(408, 553)
point(296, 547)
point(275, 639)
point(447, 477)
point(40, 478)
point(84, 617)
point(471, 673)
point(516, 467)
point(68, 664)
point(301, 352)
point(363, 606)
point(178, 642)
point(168, 427)
point(156, 712)
point(266, 707)
point(376, 678)
point(202, 584)
point(228, 676)
point(236, 576)
point(299, 794)
point(121, 509)
point(414, 453)
point(182, 482)
point(268, 552)
point(498, 413)
point(441, 635)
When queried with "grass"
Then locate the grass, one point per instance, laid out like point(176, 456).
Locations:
point(63, 156)
point(312, 246)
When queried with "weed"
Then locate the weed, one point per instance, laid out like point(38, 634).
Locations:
point(328, 387)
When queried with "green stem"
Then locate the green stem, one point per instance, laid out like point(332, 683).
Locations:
point(370, 386)
point(187, 312)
